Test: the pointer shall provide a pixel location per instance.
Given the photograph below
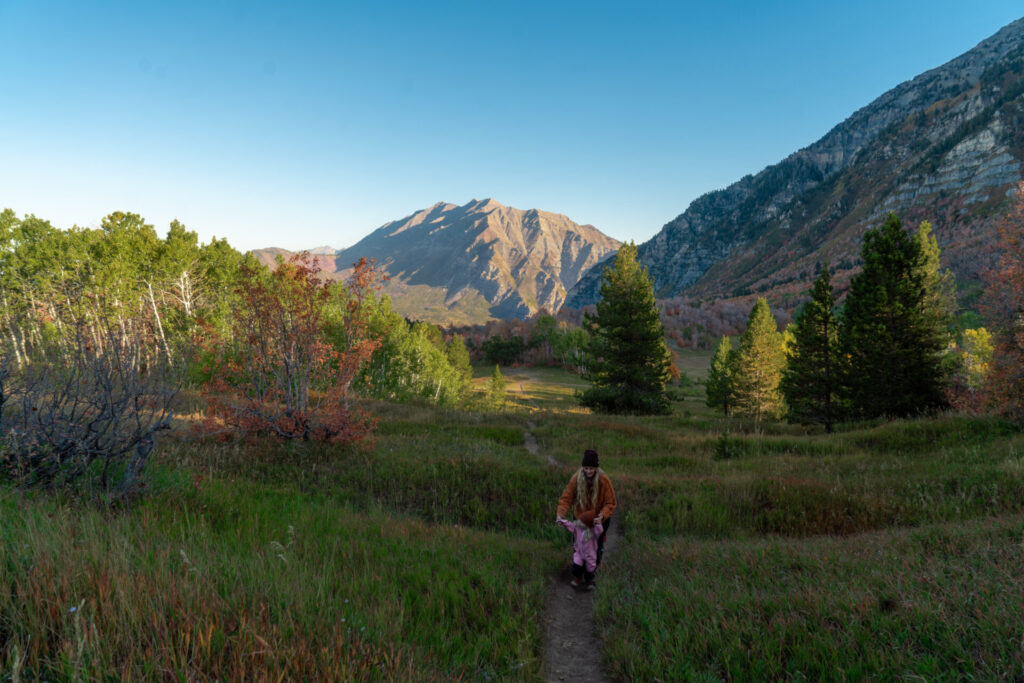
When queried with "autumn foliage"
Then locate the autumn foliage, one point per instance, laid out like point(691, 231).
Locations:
point(295, 344)
point(1004, 307)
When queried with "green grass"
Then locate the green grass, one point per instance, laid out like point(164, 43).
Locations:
point(939, 602)
point(694, 363)
point(751, 551)
point(425, 302)
point(233, 579)
point(536, 389)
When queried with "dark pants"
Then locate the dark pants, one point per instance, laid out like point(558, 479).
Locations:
point(581, 574)
point(578, 571)
point(600, 539)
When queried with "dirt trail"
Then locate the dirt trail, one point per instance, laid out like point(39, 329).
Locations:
point(572, 649)
point(531, 444)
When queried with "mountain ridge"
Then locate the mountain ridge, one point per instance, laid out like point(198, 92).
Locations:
point(944, 146)
point(470, 263)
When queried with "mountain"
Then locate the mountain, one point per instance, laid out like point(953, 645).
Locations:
point(944, 147)
point(325, 260)
point(466, 264)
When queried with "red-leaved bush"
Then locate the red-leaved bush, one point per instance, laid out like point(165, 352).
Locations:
point(286, 367)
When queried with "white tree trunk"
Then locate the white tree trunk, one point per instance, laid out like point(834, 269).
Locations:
point(159, 325)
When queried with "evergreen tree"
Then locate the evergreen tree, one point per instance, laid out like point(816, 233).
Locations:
point(940, 287)
point(631, 362)
point(718, 386)
point(757, 368)
point(892, 337)
point(811, 380)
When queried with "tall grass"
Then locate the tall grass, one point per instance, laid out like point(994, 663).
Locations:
point(752, 551)
point(939, 602)
point(466, 475)
point(238, 581)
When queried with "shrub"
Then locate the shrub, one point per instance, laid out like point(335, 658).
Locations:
point(278, 374)
point(85, 407)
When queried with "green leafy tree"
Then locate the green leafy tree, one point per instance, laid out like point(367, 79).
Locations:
point(757, 368)
point(413, 361)
point(545, 336)
point(458, 359)
point(112, 277)
point(632, 363)
point(971, 361)
point(719, 383)
point(571, 347)
point(977, 357)
point(496, 390)
point(125, 250)
point(176, 276)
point(892, 338)
point(811, 378)
point(503, 350)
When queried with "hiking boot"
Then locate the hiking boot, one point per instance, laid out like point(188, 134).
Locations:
point(590, 585)
point(575, 583)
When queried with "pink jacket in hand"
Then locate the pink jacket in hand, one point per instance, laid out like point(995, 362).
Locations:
point(584, 543)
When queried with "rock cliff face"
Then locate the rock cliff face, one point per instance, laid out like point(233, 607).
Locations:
point(944, 147)
point(467, 264)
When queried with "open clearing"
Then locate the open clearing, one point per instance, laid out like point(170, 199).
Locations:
point(748, 552)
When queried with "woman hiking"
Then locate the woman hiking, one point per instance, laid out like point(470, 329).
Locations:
point(588, 491)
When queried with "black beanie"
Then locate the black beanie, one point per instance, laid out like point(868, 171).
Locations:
point(590, 458)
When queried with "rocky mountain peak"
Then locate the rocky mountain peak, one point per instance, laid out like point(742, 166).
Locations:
point(945, 146)
point(481, 260)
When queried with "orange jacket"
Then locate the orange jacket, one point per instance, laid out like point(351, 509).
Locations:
point(605, 498)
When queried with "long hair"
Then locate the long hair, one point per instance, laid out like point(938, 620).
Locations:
point(586, 493)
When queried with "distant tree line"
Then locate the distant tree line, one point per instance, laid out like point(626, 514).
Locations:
point(101, 327)
point(544, 339)
point(96, 330)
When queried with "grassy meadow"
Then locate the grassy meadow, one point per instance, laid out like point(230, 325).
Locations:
point(884, 551)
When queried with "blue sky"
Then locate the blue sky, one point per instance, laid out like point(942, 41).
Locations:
point(301, 124)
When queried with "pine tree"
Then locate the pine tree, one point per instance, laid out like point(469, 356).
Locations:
point(940, 287)
point(718, 386)
point(631, 362)
point(758, 366)
point(811, 379)
point(893, 340)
